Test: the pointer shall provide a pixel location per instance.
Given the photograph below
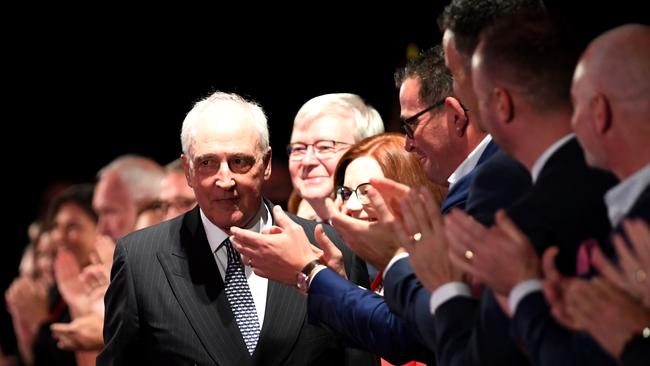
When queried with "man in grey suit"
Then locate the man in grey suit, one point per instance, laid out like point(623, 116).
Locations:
point(179, 292)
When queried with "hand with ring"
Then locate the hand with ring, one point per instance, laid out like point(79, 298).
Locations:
point(428, 247)
point(630, 274)
point(487, 253)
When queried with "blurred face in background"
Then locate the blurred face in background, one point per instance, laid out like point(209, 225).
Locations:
point(176, 196)
point(74, 230)
point(44, 253)
point(115, 207)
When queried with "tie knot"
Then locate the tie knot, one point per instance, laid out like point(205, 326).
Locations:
point(233, 255)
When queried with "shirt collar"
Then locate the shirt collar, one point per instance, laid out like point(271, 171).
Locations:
point(620, 198)
point(470, 162)
point(541, 161)
point(216, 235)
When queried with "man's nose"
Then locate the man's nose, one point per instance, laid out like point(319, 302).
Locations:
point(225, 178)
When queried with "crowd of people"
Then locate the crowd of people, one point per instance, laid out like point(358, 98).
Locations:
point(508, 223)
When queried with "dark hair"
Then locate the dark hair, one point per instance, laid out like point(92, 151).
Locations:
point(435, 78)
point(396, 163)
point(538, 58)
point(78, 194)
point(467, 18)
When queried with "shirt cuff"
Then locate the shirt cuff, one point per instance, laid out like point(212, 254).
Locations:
point(316, 270)
point(393, 261)
point(521, 290)
point(447, 292)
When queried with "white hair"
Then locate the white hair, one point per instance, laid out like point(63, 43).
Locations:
point(141, 176)
point(216, 101)
point(345, 106)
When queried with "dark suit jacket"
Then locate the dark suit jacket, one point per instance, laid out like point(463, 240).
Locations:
point(563, 208)
point(166, 306)
point(468, 332)
point(637, 351)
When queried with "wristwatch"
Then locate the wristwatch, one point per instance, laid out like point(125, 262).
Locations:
point(302, 278)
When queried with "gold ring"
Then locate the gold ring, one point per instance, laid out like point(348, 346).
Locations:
point(469, 255)
point(640, 276)
point(417, 237)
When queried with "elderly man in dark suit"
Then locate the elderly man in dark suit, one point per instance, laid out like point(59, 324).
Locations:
point(180, 293)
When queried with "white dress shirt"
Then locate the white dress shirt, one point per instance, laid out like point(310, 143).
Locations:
point(620, 198)
point(258, 285)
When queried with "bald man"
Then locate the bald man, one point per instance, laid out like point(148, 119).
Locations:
point(611, 97)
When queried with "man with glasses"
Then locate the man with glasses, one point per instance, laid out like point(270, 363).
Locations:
point(324, 128)
point(450, 144)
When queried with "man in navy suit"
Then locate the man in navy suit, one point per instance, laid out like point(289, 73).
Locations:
point(171, 298)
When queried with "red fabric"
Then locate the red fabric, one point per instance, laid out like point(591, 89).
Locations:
point(583, 259)
point(377, 282)
point(411, 363)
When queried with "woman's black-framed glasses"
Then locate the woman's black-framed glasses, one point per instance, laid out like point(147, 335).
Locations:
point(361, 191)
point(409, 124)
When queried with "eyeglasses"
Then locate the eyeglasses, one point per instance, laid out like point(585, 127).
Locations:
point(323, 149)
point(361, 191)
point(409, 124)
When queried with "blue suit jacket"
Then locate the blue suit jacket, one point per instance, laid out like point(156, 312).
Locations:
point(396, 337)
point(363, 318)
point(459, 192)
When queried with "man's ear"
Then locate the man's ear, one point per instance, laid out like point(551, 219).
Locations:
point(268, 159)
point(504, 107)
point(602, 114)
point(185, 161)
point(458, 115)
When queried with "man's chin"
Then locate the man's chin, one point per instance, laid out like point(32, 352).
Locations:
point(314, 193)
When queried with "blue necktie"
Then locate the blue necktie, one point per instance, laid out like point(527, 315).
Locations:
point(240, 299)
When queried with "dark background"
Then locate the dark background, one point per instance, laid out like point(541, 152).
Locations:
point(83, 85)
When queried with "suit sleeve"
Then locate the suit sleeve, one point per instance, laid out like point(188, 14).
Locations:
point(121, 322)
point(355, 267)
point(363, 318)
point(474, 332)
point(407, 298)
point(636, 352)
point(547, 342)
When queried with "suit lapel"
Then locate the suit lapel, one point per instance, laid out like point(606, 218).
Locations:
point(284, 317)
point(194, 278)
point(457, 195)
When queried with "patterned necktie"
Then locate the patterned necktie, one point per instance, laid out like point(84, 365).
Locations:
point(240, 299)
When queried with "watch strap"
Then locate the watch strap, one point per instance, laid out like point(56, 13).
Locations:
point(310, 267)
